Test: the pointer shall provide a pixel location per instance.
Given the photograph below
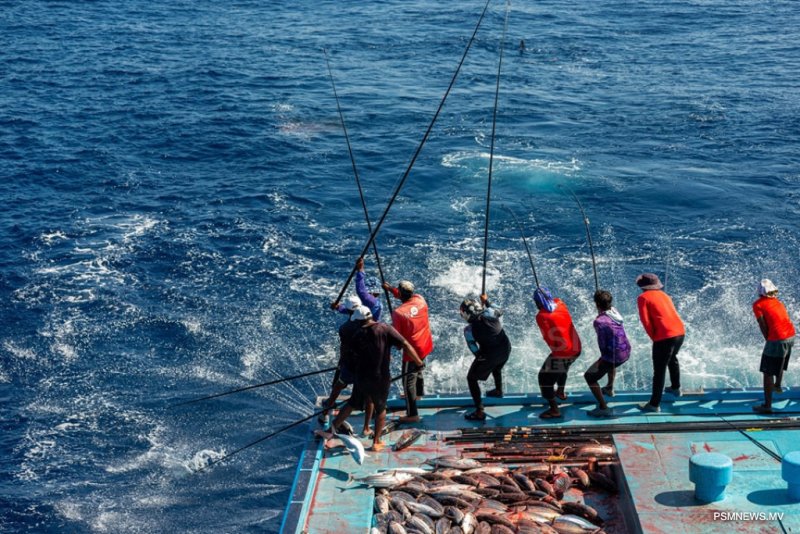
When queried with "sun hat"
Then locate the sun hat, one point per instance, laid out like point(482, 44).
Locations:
point(362, 313)
point(649, 281)
point(765, 287)
point(352, 303)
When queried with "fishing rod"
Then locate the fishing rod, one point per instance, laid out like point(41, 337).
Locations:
point(666, 264)
point(752, 439)
point(527, 248)
point(491, 150)
point(588, 238)
point(402, 181)
point(254, 386)
point(358, 180)
point(283, 429)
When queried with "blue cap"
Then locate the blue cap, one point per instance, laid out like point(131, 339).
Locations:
point(544, 299)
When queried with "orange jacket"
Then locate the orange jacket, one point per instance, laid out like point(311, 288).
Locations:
point(779, 326)
point(658, 315)
point(411, 320)
point(559, 332)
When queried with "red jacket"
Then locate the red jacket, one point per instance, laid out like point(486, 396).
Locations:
point(559, 332)
point(658, 315)
point(779, 326)
point(411, 320)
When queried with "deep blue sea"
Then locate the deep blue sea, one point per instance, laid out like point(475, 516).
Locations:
point(179, 208)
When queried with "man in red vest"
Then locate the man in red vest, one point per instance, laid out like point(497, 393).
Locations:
point(778, 332)
point(411, 320)
point(661, 322)
point(558, 331)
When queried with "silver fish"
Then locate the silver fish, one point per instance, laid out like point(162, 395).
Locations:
point(442, 526)
point(433, 503)
point(469, 524)
point(572, 524)
point(487, 469)
point(456, 530)
point(381, 504)
point(419, 508)
point(387, 479)
point(454, 462)
point(454, 514)
point(402, 495)
point(422, 523)
point(595, 450)
point(502, 529)
point(396, 528)
point(582, 510)
point(483, 528)
point(407, 439)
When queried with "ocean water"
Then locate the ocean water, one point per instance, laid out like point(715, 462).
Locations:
point(179, 209)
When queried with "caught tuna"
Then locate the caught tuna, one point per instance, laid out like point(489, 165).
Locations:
point(487, 492)
point(469, 524)
point(487, 469)
point(495, 519)
point(396, 528)
point(415, 488)
point(582, 510)
point(455, 462)
point(544, 486)
point(452, 500)
point(386, 479)
point(502, 529)
point(483, 528)
point(456, 530)
point(381, 504)
point(601, 480)
point(581, 476)
point(454, 514)
point(433, 503)
point(419, 508)
point(485, 479)
point(407, 438)
point(352, 444)
point(465, 479)
point(422, 523)
point(572, 524)
point(561, 483)
point(524, 482)
point(442, 526)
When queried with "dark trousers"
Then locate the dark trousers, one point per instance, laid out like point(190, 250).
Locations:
point(665, 356)
point(413, 385)
point(480, 370)
point(553, 372)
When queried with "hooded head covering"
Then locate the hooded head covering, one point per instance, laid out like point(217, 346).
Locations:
point(649, 281)
point(470, 309)
point(544, 299)
point(765, 287)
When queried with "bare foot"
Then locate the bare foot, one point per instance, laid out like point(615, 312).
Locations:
point(552, 413)
point(367, 433)
point(378, 446)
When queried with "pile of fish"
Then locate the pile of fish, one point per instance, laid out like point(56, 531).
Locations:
point(465, 496)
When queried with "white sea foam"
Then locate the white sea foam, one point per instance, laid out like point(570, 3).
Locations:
point(51, 237)
point(462, 279)
point(479, 161)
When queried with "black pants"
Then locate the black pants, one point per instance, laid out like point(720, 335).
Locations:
point(480, 370)
point(554, 371)
point(413, 385)
point(665, 356)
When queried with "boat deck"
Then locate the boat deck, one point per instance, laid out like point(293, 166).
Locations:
point(655, 492)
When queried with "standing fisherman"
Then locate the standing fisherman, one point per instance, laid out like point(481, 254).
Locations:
point(778, 332)
point(372, 343)
point(662, 323)
point(558, 331)
point(411, 320)
point(368, 290)
point(345, 374)
point(489, 343)
point(615, 349)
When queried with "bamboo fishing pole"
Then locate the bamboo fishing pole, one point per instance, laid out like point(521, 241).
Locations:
point(527, 248)
point(358, 180)
point(588, 238)
point(491, 151)
point(403, 179)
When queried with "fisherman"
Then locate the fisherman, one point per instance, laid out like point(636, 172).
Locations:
point(489, 343)
point(411, 320)
point(345, 371)
point(558, 331)
point(372, 343)
point(661, 322)
point(615, 349)
point(778, 332)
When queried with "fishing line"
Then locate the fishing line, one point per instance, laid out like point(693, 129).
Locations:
point(491, 151)
point(666, 263)
point(358, 180)
point(757, 443)
point(283, 429)
point(527, 248)
point(416, 153)
point(588, 238)
point(254, 386)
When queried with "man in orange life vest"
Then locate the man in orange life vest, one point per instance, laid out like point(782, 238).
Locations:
point(558, 331)
point(411, 320)
point(778, 332)
point(661, 322)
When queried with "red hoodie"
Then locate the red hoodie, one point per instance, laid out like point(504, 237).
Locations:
point(558, 331)
point(658, 315)
point(411, 320)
